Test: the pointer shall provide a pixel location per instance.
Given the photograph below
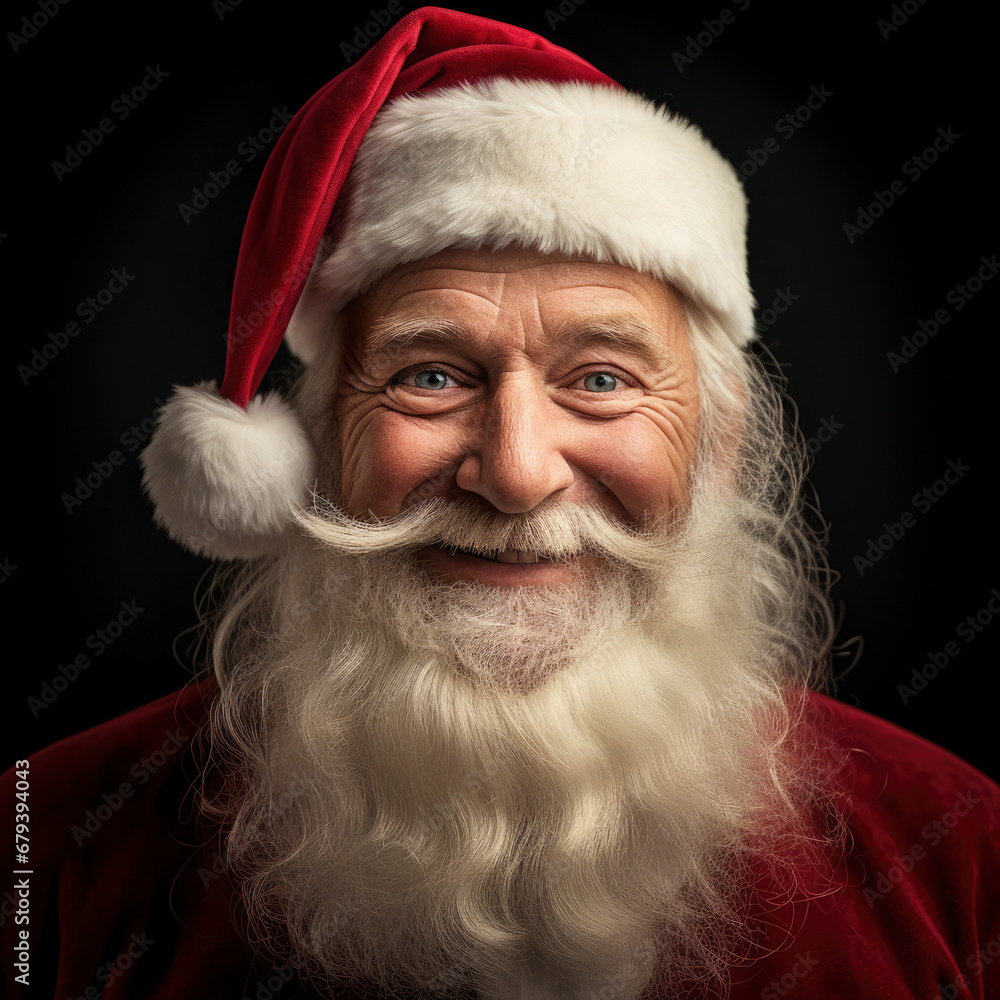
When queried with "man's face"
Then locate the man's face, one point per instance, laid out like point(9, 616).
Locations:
point(512, 773)
point(516, 377)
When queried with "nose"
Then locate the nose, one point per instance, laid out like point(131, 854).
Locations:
point(515, 459)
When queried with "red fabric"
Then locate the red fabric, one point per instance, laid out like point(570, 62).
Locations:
point(428, 48)
point(125, 900)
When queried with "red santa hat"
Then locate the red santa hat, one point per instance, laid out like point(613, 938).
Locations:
point(452, 130)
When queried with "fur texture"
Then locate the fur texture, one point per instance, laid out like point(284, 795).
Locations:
point(566, 167)
point(223, 479)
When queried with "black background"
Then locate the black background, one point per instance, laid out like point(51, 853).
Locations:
point(228, 66)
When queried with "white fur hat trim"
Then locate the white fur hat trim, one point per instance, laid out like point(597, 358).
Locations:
point(569, 167)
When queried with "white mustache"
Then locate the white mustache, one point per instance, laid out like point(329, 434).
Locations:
point(556, 530)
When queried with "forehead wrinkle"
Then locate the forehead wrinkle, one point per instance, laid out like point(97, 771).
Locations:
point(394, 331)
point(414, 280)
point(623, 333)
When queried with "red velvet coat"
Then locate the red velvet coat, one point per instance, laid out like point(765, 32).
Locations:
point(120, 901)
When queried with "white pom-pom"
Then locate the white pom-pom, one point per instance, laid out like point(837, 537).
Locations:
point(224, 479)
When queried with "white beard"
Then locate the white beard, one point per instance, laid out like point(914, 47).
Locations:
point(416, 802)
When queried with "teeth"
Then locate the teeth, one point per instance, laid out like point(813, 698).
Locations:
point(517, 556)
point(507, 556)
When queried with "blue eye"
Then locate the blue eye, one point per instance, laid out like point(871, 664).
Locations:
point(431, 378)
point(600, 382)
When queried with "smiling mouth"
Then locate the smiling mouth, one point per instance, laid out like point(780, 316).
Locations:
point(520, 556)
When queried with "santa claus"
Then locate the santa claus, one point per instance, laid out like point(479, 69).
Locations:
point(523, 619)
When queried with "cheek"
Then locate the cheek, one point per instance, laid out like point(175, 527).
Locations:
point(642, 463)
point(391, 461)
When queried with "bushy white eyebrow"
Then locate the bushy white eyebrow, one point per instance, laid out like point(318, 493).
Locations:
point(395, 333)
point(623, 332)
